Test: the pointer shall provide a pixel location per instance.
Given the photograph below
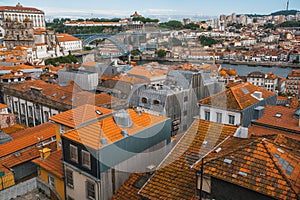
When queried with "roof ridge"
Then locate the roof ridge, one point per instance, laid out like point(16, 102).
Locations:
point(279, 168)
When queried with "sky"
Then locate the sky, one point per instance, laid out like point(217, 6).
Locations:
point(124, 8)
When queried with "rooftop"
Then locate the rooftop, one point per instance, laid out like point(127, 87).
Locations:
point(279, 118)
point(82, 114)
point(174, 178)
point(90, 134)
point(53, 163)
point(66, 37)
point(237, 97)
point(31, 137)
point(260, 165)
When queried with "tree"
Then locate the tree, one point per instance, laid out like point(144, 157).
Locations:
point(209, 28)
point(161, 53)
point(172, 24)
point(191, 26)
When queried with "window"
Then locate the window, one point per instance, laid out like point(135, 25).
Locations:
point(144, 100)
point(23, 108)
point(61, 129)
point(186, 98)
point(90, 190)
point(219, 117)
point(51, 181)
point(30, 109)
point(73, 153)
point(231, 119)
point(86, 159)
point(185, 113)
point(69, 177)
point(16, 107)
point(155, 102)
point(46, 116)
point(207, 115)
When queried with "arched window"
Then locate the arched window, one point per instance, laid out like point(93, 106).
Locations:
point(144, 100)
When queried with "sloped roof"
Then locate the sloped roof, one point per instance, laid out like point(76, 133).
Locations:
point(237, 97)
point(255, 166)
point(32, 137)
point(53, 163)
point(66, 37)
point(279, 117)
point(128, 191)
point(75, 117)
point(19, 8)
point(91, 134)
point(175, 179)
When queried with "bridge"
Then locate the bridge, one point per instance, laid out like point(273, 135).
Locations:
point(88, 38)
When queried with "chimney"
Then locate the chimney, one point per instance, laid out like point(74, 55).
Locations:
point(44, 153)
point(241, 132)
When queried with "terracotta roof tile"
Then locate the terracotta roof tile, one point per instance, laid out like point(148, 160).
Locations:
point(82, 114)
point(12, 129)
point(129, 191)
point(237, 97)
point(108, 129)
point(31, 138)
point(174, 178)
point(53, 163)
point(19, 8)
point(66, 37)
point(279, 117)
point(260, 169)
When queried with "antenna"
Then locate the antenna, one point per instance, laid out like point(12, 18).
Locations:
point(287, 5)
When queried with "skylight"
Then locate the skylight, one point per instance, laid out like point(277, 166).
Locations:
point(63, 97)
point(245, 90)
point(98, 112)
point(278, 115)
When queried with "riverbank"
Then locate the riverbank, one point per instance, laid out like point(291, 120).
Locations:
point(249, 63)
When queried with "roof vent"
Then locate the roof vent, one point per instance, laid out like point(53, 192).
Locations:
point(241, 132)
point(278, 115)
point(124, 133)
point(257, 95)
point(98, 112)
point(122, 119)
point(63, 97)
point(218, 150)
point(103, 141)
point(204, 142)
point(242, 173)
point(228, 161)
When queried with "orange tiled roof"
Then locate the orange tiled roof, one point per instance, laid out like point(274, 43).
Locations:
point(284, 121)
point(263, 131)
point(82, 114)
point(128, 191)
point(90, 134)
point(53, 163)
point(148, 73)
point(43, 131)
point(89, 64)
point(19, 8)
point(255, 166)
point(174, 178)
point(70, 94)
point(129, 79)
point(237, 97)
point(66, 37)
point(12, 129)
point(24, 156)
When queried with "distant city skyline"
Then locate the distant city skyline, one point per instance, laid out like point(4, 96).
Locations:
point(121, 8)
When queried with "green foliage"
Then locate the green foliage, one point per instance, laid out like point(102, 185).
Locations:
point(285, 12)
point(66, 59)
point(209, 28)
point(208, 41)
point(289, 24)
point(192, 26)
point(161, 53)
point(145, 20)
point(135, 52)
point(172, 24)
point(87, 48)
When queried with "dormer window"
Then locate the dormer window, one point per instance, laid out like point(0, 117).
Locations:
point(144, 100)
